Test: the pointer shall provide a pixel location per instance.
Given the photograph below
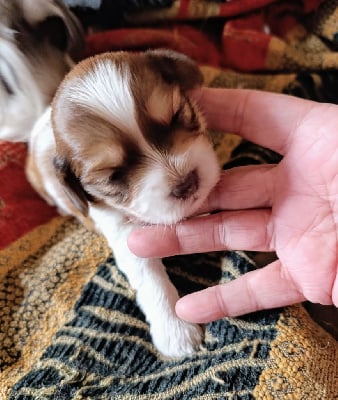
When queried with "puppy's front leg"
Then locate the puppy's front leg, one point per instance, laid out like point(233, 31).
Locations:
point(155, 293)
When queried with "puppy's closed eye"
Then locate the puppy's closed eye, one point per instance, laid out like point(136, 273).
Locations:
point(117, 175)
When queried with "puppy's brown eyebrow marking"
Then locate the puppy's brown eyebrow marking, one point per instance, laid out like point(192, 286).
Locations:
point(160, 133)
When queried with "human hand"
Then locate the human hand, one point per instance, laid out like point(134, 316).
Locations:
point(290, 208)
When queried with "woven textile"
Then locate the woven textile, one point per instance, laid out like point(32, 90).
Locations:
point(68, 343)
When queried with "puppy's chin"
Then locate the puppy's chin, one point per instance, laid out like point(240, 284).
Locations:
point(169, 214)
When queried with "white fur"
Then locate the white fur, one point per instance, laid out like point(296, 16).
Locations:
point(109, 94)
point(37, 10)
point(95, 90)
point(155, 293)
point(43, 147)
point(18, 111)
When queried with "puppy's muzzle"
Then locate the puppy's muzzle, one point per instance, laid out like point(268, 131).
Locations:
point(187, 187)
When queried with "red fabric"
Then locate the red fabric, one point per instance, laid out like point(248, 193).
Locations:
point(244, 44)
point(226, 9)
point(182, 38)
point(236, 7)
point(246, 40)
point(21, 208)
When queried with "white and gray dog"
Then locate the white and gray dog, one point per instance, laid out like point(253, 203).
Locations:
point(38, 41)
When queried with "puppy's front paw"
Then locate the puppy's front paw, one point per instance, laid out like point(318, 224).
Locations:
point(176, 338)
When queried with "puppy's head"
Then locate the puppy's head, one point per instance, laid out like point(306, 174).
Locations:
point(128, 136)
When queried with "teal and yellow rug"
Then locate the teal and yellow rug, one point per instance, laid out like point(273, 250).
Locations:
point(70, 329)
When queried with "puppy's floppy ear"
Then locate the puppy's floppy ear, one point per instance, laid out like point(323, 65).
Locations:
point(71, 184)
point(53, 20)
point(175, 68)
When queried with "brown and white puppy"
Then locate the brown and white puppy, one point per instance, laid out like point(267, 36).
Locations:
point(38, 41)
point(129, 147)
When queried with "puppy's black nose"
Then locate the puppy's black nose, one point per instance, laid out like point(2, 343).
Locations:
point(187, 187)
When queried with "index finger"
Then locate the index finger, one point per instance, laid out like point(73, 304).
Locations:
point(267, 119)
point(243, 229)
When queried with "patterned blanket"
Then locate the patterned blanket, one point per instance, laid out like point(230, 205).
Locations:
point(69, 324)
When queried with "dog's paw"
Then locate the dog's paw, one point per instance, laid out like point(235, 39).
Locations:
point(176, 338)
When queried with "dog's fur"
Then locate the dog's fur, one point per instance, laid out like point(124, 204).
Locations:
point(129, 147)
point(38, 41)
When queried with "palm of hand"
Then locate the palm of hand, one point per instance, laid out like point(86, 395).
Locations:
point(305, 207)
